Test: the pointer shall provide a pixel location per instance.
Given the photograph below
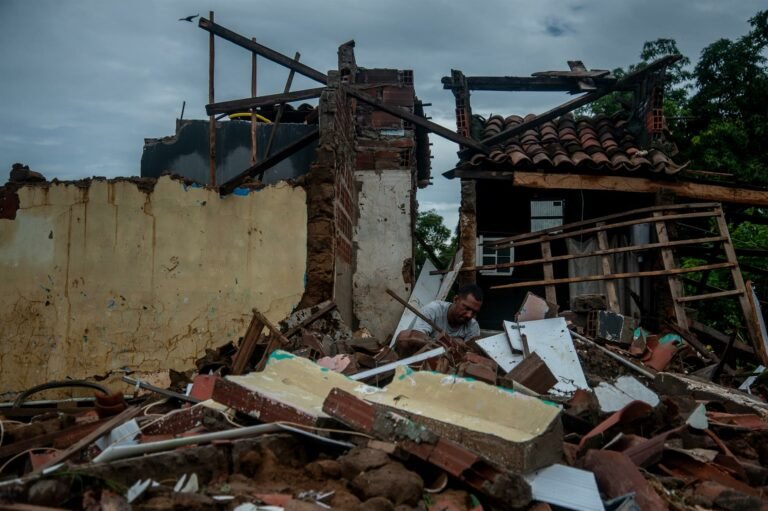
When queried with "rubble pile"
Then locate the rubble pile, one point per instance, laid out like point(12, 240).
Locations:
point(582, 409)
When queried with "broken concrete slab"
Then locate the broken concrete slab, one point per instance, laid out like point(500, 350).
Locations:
point(551, 340)
point(612, 397)
point(502, 486)
point(513, 430)
point(289, 386)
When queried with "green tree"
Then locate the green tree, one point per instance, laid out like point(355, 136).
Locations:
point(431, 231)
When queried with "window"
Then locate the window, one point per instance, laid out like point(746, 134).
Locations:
point(486, 255)
point(546, 214)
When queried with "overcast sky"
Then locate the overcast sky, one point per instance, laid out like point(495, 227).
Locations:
point(83, 82)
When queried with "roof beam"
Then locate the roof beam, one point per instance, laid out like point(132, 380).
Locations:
point(574, 104)
point(269, 162)
point(546, 180)
point(404, 114)
point(529, 83)
point(242, 105)
point(262, 50)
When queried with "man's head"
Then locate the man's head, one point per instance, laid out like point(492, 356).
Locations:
point(466, 304)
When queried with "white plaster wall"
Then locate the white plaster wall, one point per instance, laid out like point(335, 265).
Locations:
point(383, 241)
point(106, 277)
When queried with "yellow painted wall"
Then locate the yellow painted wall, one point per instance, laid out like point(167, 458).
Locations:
point(108, 276)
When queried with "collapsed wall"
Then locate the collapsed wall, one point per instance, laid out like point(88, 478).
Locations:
point(102, 276)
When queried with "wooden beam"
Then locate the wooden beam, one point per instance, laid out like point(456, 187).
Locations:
point(279, 115)
point(568, 257)
point(415, 119)
point(243, 105)
point(267, 163)
point(262, 50)
point(614, 216)
point(690, 190)
point(527, 83)
point(592, 278)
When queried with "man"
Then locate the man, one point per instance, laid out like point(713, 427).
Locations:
point(456, 319)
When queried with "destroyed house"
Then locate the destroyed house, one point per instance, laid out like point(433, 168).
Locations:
point(143, 275)
point(548, 191)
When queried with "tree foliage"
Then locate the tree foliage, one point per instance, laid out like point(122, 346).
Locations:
point(717, 116)
point(431, 231)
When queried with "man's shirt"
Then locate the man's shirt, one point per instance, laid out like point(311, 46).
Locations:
point(438, 312)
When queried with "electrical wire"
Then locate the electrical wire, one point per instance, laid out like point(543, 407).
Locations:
point(26, 452)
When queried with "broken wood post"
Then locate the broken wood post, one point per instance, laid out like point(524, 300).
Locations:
point(254, 121)
point(279, 115)
point(106, 427)
point(211, 119)
point(418, 313)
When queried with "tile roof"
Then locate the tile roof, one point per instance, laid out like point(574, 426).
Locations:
point(599, 143)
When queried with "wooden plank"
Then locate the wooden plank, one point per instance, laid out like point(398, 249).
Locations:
point(592, 278)
point(279, 115)
point(718, 336)
point(415, 119)
point(211, 118)
point(668, 259)
point(756, 314)
point(605, 262)
point(45, 439)
point(254, 93)
point(709, 296)
point(248, 346)
point(104, 428)
point(549, 272)
point(567, 257)
point(243, 105)
point(263, 51)
point(748, 309)
point(592, 221)
point(267, 163)
point(591, 230)
point(550, 181)
point(528, 83)
point(320, 313)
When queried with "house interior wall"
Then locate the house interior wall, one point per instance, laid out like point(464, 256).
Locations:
point(105, 276)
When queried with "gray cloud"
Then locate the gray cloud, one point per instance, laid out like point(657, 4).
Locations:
point(85, 81)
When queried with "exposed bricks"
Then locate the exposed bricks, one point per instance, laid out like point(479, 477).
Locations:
point(455, 459)
point(383, 120)
point(243, 400)
point(400, 96)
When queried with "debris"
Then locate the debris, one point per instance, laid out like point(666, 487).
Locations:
point(551, 341)
point(533, 373)
point(615, 396)
point(616, 476)
point(567, 487)
point(614, 327)
point(535, 307)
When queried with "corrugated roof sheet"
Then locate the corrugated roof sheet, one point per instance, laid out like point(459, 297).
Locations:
point(599, 143)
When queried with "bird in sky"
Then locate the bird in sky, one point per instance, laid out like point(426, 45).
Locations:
point(189, 18)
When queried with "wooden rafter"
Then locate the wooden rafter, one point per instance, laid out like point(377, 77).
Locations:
point(243, 105)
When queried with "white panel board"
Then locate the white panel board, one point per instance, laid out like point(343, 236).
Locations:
point(450, 277)
point(425, 291)
point(567, 487)
point(614, 397)
point(548, 338)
